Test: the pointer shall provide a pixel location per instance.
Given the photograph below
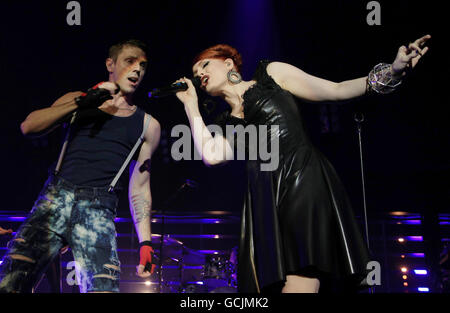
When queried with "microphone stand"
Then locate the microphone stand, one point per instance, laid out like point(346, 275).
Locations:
point(359, 120)
point(168, 202)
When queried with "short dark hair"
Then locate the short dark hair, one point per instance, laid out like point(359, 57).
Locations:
point(115, 49)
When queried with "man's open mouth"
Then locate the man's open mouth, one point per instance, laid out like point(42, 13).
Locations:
point(134, 80)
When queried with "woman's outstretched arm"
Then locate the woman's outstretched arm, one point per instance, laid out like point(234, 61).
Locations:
point(311, 88)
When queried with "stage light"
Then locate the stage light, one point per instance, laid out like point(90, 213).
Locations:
point(414, 238)
point(417, 255)
point(405, 277)
point(402, 256)
point(195, 282)
point(423, 289)
point(412, 222)
point(401, 239)
point(404, 269)
point(14, 218)
point(399, 213)
point(148, 283)
point(405, 284)
point(420, 272)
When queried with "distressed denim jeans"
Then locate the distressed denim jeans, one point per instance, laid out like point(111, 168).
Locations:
point(65, 214)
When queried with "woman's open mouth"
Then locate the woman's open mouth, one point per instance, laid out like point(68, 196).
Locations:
point(204, 81)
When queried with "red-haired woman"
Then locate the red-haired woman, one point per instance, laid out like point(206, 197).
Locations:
point(298, 229)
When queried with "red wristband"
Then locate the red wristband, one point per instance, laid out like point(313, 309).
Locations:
point(146, 258)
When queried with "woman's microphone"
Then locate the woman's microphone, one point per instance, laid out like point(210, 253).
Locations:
point(173, 88)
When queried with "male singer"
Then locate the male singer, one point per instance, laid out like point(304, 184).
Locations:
point(76, 207)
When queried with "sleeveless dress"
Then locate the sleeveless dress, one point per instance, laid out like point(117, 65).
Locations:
point(296, 219)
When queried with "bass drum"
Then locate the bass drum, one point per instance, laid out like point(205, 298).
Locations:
point(219, 273)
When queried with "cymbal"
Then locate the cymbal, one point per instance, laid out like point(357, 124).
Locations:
point(156, 241)
point(191, 256)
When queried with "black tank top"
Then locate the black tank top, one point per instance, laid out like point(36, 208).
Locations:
point(98, 146)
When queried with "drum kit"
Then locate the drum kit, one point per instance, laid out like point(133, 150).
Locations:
point(185, 270)
point(181, 269)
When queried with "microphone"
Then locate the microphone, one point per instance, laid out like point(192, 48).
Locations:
point(173, 88)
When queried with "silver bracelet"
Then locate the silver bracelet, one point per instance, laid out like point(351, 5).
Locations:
point(380, 79)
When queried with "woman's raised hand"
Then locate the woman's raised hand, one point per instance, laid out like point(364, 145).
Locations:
point(407, 57)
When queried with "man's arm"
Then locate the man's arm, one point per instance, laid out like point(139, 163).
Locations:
point(139, 193)
point(5, 231)
point(43, 120)
point(40, 120)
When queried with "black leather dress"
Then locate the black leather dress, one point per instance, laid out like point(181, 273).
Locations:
point(296, 219)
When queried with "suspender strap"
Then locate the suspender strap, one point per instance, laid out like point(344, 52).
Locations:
point(64, 147)
point(130, 155)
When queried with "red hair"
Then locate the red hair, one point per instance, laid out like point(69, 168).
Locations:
point(221, 51)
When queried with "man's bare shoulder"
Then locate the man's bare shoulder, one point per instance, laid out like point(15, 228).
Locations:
point(154, 125)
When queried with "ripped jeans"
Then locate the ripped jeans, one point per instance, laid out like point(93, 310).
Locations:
point(65, 214)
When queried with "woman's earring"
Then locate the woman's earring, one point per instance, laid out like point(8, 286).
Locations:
point(234, 77)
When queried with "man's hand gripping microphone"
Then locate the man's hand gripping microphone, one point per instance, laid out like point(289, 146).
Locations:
point(97, 95)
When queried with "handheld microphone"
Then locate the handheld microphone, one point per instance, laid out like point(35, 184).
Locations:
point(173, 88)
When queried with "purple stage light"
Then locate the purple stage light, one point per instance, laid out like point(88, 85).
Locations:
point(122, 219)
point(210, 251)
point(412, 222)
point(417, 255)
point(423, 289)
point(193, 267)
point(420, 272)
point(13, 218)
point(414, 238)
point(195, 282)
point(203, 236)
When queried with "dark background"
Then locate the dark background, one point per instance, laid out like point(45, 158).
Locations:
point(405, 134)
